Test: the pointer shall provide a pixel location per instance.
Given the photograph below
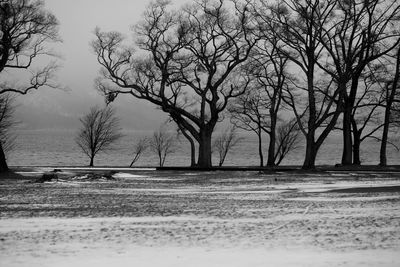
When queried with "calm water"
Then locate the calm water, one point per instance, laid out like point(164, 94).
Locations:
point(58, 148)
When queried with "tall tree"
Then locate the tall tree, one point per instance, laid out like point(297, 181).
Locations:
point(357, 33)
point(296, 24)
point(366, 114)
point(250, 113)
point(25, 28)
point(258, 110)
point(187, 63)
point(392, 93)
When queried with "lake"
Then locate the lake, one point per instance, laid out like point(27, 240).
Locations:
point(58, 148)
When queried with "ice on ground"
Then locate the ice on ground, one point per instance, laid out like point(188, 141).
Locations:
point(319, 188)
point(344, 199)
point(128, 175)
point(207, 221)
point(205, 257)
point(104, 169)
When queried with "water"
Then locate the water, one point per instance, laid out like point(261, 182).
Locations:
point(58, 148)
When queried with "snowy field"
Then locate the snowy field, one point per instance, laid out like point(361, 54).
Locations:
point(182, 219)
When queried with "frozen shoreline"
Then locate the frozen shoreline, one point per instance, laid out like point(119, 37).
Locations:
point(148, 218)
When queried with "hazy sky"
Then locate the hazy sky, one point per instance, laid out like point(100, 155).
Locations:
point(52, 109)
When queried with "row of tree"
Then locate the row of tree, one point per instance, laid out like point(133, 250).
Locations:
point(275, 67)
point(100, 131)
point(332, 64)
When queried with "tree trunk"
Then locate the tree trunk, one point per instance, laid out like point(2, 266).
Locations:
point(389, 102)
point(260, 152)
point(91, 161)
point(204, 160)
point(349, 100)
point(385, 133)
point(192, 146)
point(347, 154)
point(271, 152)
point(192, 153)
point(271, 146)
point(356, 143)
point(356, 150)
point(3, 162)
point(311, 152)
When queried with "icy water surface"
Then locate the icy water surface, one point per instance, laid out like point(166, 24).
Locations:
point(58, 148)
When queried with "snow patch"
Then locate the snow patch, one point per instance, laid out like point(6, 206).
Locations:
point(128, 175)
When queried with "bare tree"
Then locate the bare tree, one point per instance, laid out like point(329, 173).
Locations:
point(188, 63)
point(288, 139)
point(162, 143)
point(258, 109)
point(6, 123)
point(140, 147)
point(366, 117)
point(100, 129)
point(296, 24)
point(357, 33)
point(25, 27)
point(224, 142)
point(392, 105)
point(250, 113)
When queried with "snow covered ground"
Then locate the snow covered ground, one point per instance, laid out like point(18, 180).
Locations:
point(148, 218)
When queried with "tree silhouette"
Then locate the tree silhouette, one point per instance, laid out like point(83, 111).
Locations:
point(25, 28)
point(6, 123)
point(188, 65)
point(258, 108)
point(162, 143)
point(138, 149)
point(100, 129)
point(224, 142)
point(357, 34)
point(297, 26)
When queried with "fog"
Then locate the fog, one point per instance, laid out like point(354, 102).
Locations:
point(58, 109)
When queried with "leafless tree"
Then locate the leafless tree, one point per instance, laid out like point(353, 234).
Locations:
point(288, 139)
point(185, 66)
point(296, 24)
point(357, 33)
point(392, 104)
point(366, 115)
point(224, 142)
point(100, 129)
point(163, 144)
point(250, 113)
point(140, 146)
point(7, 121)
point(25, 28)
point(367, 110)
point(258, 109)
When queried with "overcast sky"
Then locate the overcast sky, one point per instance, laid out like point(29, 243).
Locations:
point(54, 109)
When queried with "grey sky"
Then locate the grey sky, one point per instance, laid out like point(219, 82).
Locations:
point(51, 109)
